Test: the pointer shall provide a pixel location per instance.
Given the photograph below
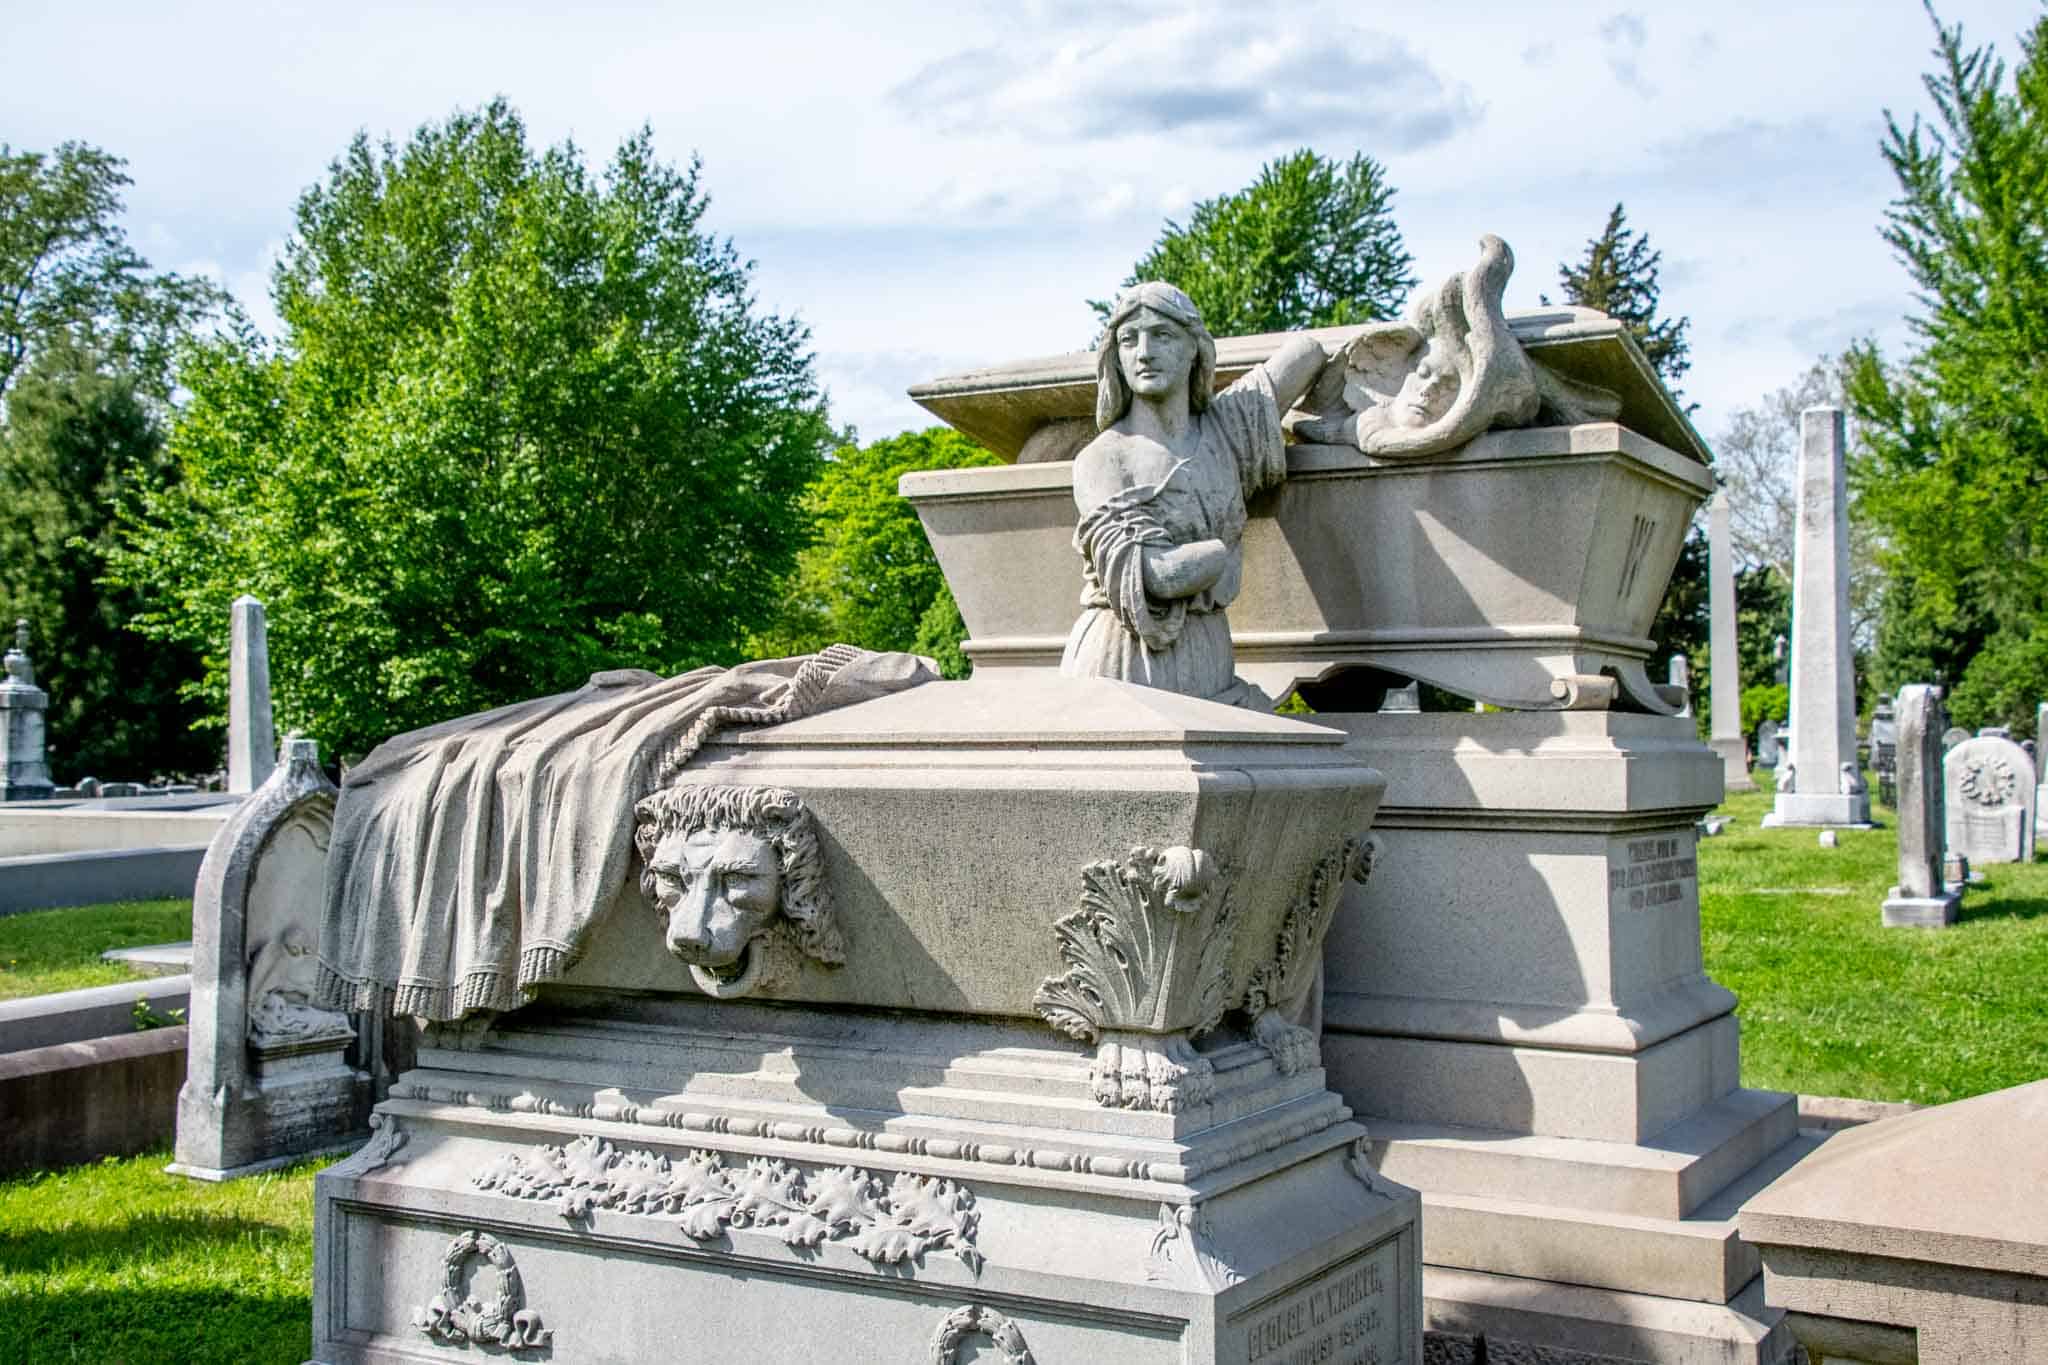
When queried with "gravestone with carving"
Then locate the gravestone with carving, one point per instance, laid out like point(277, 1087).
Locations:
point(267, 1077)
point(1519, 989)
point(1990, 795)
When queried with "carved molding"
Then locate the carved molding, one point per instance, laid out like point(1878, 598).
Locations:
point(887, 1224)
point(457, 1317)
point(1126, 947)
point(975, 1319)
point(386, 1137)
point(1184, 1251)
point(1279, 983)
point(1358, 1161)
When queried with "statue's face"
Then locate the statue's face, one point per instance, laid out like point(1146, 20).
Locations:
point(1428, 391)
point(718, 889)
point(1157, 353)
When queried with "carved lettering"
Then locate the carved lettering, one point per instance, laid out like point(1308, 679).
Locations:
point(1657, 872)
point(1349, 1315)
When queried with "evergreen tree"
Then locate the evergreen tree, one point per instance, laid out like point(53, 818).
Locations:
point(1953, 466)
point(1310, 243)
point(1618, 276)
point(523, 423)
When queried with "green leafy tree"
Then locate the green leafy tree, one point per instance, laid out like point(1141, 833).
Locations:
point(1953, 464)
point(1310, 243)
point(1618, 276)
point(68, 274)
point(78, 433)
point(523, 422)
point(870, 577)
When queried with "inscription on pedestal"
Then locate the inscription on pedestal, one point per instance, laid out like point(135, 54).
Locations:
point(1657, 872)
point(1348, 1315)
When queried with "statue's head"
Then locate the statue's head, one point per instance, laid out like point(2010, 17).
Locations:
point(720, 863)
point(1155, 343)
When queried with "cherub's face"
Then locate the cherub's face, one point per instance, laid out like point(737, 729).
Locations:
point(1428, 391)
point(1157, 354)
point(718, 889)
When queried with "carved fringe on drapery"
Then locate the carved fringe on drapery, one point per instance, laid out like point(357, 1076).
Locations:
point(804, 688)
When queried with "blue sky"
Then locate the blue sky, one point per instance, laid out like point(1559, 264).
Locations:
point(935, 187)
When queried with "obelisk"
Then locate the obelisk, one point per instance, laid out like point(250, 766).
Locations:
point(1825, 785)
point(1725, 684)
point(252, 742)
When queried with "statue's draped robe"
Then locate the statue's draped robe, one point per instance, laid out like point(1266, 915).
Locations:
point(470, 859)
point(1182, 645)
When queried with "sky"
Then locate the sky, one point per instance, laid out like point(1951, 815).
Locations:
point(933, 188)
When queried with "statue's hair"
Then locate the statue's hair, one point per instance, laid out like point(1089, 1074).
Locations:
point(1112, 390)
point(772, 813)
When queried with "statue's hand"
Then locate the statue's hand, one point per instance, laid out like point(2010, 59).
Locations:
point(1184, 570)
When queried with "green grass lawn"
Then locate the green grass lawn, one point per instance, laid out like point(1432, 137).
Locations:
point(120, 1264)
point(59, 950)
point(1833, 1003)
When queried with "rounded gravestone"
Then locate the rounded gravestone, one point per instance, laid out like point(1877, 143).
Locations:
point(1990, 797)
point(1954, 735)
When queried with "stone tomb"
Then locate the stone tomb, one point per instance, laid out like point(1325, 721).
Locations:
point(267, 1079)
point(1061, 1100)
point(1516, 998)
point(1990, 796)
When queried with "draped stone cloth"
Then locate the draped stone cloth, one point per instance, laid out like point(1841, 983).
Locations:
point(470, 859)
point(1182, 645)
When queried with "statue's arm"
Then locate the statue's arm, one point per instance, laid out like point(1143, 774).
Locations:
point(1293, 368)
point(1170, 571)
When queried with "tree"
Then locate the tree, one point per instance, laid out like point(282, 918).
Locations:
point(67, 272)
point(79, 432)
point(1953, 465)
point(870, 577)
point(1310, 243)
point(522, 423)
point(1618, 276)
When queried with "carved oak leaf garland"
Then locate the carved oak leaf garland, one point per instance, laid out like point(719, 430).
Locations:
point(889, 1225)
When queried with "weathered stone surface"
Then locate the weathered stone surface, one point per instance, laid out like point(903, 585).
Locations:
point(1929, 1224)
point(252, 742)
point(79, 1101)
point(1990, 793)
point(1921, 897)
point(268, 1081)
point(24, 770)
point(1827, 790)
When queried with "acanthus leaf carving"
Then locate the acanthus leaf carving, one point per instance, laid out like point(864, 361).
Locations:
point(1184, 1251)
point(888, 1225)
point(456, 1316)
point(1280, 982)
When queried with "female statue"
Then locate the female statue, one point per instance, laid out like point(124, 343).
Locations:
point(1161, 493)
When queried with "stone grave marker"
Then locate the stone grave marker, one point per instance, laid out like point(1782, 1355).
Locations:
point(266, 1080)
point(252, 742)
point(1724, 687)
point(1922, 896)
point(1679, 675)
point(24, 769)
point(1954, 735)
point(1990, 794)
point(1768, 753)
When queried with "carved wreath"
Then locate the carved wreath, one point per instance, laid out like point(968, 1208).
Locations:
point(456, 1317)
point(975, 1319)
point(1989, 781)
point(886, 1224)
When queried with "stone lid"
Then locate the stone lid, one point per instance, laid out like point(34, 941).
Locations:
point(1001, 406)
point(1037, 708)
point(1959, 1184)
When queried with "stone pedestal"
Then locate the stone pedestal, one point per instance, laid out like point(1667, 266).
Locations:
point(1518, 1006)
point(24, 771)
point(1823, 785)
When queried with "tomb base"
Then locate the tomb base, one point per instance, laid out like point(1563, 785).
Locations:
point(675, 1180)
point(1924, 912)
point(1518, 1005)
point(1820, 810)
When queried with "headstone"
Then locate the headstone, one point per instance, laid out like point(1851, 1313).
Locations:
point(1823, 677)
point(24, 768)
point(1990, 794)
point(1768, 752)
point(1884, 753)
point(1404, 699)
point(1679, 674)
point(266, 1078)
point(1781, 655)
point(1954, 735)
point(1922, 896)
point(1725, 684)
point(252, 743)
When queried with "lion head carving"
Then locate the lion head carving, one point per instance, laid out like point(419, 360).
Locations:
point(719, 864)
